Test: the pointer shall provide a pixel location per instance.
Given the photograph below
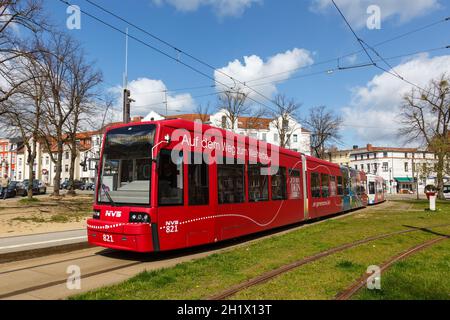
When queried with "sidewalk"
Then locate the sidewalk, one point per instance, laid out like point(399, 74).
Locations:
point(41, 241)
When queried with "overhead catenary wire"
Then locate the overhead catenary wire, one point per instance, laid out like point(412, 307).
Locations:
point(180, 51)
point(167, 55)
point(256, 79)
point(324, 71)
point(363, 44)
point(202, 73)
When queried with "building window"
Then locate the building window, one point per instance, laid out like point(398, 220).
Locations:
point(315, 185)
point(47, 160)
point(67, 155)
point(170, 179)
point(279, 185)
point(375, 168)
point(198, 182)
point(66, 168)
point(258, 183)
point(356, 167)
point(406, 166)
point(230, 183)
point(368, 167)
point(385, 166)
point(264, 136)
point(362, 167)
point(20, 175)
point(295, 138)
point(295, 189)
point(362, 157)
point(374, 155)
point(368, 156)
point(356, 157)
point(385, 154)
point(406, 155)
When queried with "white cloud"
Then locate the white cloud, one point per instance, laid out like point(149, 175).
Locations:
point(356, 10)
point(222, 8)
point(149, 96)
point(374, 108)
point(254, 68)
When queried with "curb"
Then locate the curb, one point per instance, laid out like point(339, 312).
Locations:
point(42, 252)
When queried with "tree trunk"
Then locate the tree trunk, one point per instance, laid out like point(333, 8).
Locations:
point(440, 176)
point(73, 157)
point(57, 179)
point(31, 179)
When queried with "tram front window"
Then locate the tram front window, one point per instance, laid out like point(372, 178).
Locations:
point(126, 169)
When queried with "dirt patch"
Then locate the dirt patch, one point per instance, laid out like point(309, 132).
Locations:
point(19, 217)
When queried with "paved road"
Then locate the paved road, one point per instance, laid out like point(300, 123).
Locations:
point(42, 240)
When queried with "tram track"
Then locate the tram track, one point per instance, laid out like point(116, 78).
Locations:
point(165, 259)
point(136, 259)
point(361, 282)
point(286, 268)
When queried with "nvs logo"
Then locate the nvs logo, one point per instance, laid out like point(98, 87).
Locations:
point(116, 214)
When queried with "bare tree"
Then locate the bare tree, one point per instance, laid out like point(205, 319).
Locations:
point(23, 112)
point(82, 82)
point(14, 16)
point(55, 56)
point(324, 126)
point(234, 104)
point(203, 112)
point(283, 118)
point(425, 118)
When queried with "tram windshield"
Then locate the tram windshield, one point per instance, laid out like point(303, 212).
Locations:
point(125, 176)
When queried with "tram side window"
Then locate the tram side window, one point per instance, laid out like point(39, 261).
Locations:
point(333, 191)
point(258, 183)
point(231, 183)
point(346, 181)
point(340, 186)
point(325, 185)
point(371, 187)
point(315, 185)
point(170, 179)
point(198, 183)
point(295, 190)
point(279, 185)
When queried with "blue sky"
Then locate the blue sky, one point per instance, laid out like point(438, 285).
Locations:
point(219, 32)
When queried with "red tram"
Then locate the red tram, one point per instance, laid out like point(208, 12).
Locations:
point(173, 184)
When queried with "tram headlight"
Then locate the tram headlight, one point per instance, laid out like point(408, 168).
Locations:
point(96, 214)
point(139, 218)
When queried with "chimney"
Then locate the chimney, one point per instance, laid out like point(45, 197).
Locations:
point(137, 119)
point(369, 147)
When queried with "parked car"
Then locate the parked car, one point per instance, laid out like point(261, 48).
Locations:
point(447, 192)
point(77, 183)
point(11, 191)
point(88, 186)
point(38, 188)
